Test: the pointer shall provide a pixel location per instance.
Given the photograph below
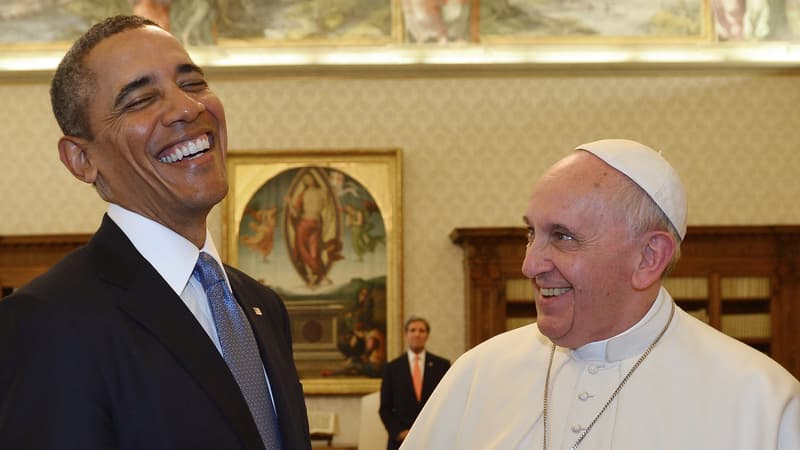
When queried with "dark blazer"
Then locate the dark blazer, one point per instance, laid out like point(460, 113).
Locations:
point(100, 353)
point(399, 406)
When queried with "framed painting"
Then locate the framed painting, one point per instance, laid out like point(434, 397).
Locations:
point(740, 20)
point(630, 21)
point(439, 22)
point(210, 23)
point(259, 36)
point(323, 230)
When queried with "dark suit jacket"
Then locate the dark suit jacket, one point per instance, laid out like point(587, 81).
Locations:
point(399, 406)
point(100, 353)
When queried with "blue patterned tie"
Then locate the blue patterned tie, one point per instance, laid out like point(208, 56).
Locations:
point(239, 349)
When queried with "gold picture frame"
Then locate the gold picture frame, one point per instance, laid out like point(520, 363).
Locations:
point(323, 228)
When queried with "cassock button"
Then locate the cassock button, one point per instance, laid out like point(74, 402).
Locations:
point(593, 369)
point(583, 396)
point(577, 428)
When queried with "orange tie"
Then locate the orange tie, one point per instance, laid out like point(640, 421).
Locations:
point(416, 377)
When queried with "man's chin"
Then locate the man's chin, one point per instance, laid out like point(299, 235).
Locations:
point(558, 331)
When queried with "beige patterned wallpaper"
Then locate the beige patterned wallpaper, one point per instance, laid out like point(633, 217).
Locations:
point(472, 147)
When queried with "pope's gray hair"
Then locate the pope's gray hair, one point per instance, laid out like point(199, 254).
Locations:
point(643, 214)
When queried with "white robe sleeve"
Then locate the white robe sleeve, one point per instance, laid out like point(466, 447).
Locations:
point(789, 432)
point(477, 404)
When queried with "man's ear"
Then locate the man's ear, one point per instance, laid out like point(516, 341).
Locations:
point(72, 152)
point(656, 254)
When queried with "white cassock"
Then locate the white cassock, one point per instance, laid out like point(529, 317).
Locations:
point(698, 389)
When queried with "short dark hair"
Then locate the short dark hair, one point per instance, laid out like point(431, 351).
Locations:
point(71, 87)
point(413, 319)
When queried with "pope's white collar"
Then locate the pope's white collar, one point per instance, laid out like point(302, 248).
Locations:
point(633, 341)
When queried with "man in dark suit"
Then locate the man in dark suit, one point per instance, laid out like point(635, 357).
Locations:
point(408, 381)
point(121, 345)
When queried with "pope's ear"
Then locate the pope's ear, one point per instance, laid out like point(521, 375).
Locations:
point(657, 251)
point(72, 152)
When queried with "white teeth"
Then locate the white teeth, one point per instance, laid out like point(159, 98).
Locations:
point(186, 149)
point(551, 292)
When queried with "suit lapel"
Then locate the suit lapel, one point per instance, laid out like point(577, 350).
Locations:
point(147, 298)
point(429, 376)
point(407, 377)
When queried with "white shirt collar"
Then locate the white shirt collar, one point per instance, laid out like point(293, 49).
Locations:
point(632, 341)
point(172, 255)
point(412, 354)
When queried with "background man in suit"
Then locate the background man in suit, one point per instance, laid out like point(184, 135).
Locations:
point(122, 345)
point(403, 394)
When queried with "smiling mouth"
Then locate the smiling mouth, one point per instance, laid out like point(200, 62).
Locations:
point(186, 150)
point(553, 292)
